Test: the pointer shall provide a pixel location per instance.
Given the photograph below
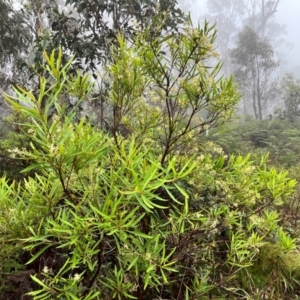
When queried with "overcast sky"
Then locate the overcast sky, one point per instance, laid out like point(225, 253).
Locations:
point(288, 13)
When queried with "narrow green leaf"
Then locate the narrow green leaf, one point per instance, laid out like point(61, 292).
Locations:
point(38, 254)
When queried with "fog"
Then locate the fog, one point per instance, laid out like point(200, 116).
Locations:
point(288, 13)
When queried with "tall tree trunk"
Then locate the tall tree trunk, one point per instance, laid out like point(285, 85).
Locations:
point(254, 104)
point(254, 93)
point(259, 98)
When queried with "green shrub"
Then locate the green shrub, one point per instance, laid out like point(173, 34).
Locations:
point(141, 217)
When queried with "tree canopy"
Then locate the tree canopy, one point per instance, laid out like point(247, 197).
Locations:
point(255, 61)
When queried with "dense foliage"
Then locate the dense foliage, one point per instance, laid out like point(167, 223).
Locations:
point(13, 37)
point(141, 209)
point(277, 137)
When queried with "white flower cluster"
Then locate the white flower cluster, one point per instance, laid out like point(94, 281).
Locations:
point(17, 153)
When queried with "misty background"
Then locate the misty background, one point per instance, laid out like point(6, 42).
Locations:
point(288, 14)
point(280, 30)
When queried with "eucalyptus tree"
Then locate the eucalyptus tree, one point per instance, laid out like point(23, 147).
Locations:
point(260, 14)
point(232, 16)
point(257, 14)
point(255, 62)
